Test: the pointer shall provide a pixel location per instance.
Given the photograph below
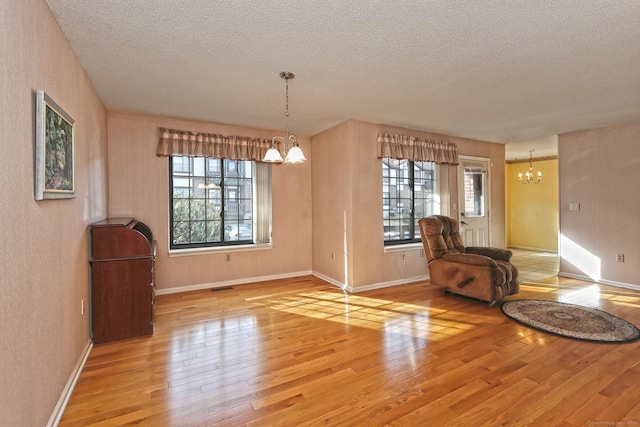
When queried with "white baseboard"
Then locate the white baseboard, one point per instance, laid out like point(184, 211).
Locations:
point(370, 287)
point(54, 420)
point(391, 283)
point(332, 281)
point(604, 282)
point(349, 288)
point(213, 285)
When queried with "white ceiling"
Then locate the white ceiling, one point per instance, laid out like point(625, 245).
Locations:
point(502, 71)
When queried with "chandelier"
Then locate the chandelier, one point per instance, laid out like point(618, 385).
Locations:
point(528, 177)
point(292, 151)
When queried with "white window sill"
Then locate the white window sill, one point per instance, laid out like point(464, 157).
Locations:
point(403, 248)
point(219, 249)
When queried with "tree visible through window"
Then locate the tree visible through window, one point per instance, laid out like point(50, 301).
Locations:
point(212, 202)
point(409, 192)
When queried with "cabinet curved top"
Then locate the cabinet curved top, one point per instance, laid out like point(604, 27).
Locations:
point(120, 238)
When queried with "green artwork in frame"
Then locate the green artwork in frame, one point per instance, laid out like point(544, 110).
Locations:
point(55, 146)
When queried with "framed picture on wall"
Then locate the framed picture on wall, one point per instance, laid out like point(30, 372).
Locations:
point(55, 150)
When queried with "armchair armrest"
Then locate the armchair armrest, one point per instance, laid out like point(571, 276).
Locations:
point(494, 253)
point(469, 259)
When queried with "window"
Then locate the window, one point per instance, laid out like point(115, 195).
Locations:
point(474, 184)
point(410, 191)
point(218, 202)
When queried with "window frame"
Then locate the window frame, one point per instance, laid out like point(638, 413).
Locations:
point(209, 176)
point(438, 194)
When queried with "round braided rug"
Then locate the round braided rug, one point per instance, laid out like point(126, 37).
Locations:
point(569, 320)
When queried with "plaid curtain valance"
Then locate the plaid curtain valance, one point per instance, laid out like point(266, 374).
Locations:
point(173, 142)
point(405, 147)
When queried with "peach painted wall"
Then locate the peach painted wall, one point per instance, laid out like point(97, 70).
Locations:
point(333, 222)
point(138, 187)
point(599, 170)
point(347, 207)
point(533, 208)
point(44, 263)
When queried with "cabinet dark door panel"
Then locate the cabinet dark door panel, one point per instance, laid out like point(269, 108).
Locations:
point(122, 299)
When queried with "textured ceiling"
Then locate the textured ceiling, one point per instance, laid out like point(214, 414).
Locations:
point(502, 71)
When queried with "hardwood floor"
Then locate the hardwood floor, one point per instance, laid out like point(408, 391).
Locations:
point(300, 352)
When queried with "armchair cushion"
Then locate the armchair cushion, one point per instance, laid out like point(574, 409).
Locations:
point(494, 253)
point(469, 259)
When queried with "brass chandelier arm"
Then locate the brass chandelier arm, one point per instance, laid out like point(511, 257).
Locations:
point(529, 176)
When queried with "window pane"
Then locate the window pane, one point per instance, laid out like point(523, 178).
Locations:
point(196, 211)
point(238, 231)
point(198, 166)
point(181, 232)
point(212, 212)
point(198, 232)
point(180, 164)
point(180, 182)
point(214, 231)
point(180, 209)
point(393, 229)
point(213, 168)
point(474, 203)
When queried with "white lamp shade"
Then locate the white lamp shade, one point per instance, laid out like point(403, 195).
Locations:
point(273, 156)
point(294, 155)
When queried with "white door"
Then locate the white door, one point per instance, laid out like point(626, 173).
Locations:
point(473, 195)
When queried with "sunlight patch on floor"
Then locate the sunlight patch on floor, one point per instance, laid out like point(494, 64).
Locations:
point(589, 296)
point(384, 315)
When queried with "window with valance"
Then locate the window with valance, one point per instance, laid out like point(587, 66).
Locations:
point(219, 189)
point(414, 183)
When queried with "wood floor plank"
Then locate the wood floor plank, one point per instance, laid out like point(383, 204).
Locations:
point(587, 413)
point(300, 352)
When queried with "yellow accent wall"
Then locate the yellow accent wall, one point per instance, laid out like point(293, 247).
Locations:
point(532, 209)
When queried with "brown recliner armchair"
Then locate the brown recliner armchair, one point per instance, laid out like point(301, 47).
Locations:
point(483, 273)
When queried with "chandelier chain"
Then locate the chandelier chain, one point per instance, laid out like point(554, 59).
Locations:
point(286, 111)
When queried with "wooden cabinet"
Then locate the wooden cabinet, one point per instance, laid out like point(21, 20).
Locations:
point(122, 263)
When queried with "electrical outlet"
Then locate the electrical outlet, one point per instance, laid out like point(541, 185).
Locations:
point(228, 257)
point(620, 257)
point(574, 206)
point(333, 256)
